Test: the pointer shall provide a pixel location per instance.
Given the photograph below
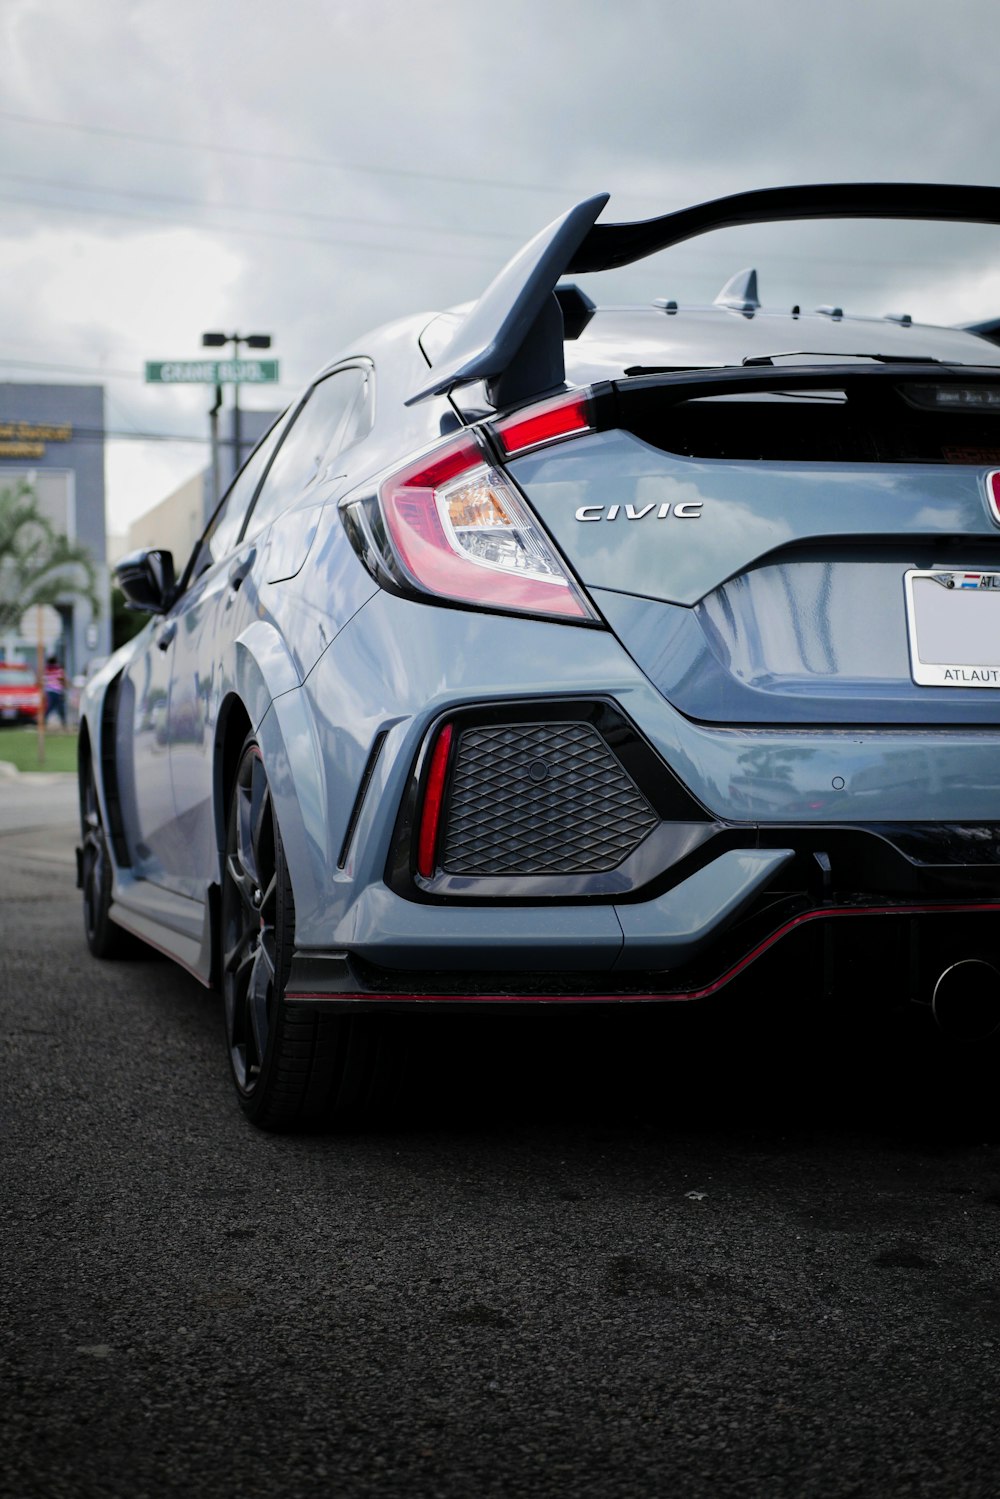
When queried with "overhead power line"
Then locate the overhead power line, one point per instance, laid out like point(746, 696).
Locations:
point(288, 157)
point(327, 163)
point(224, 230)
point(272, 212)
point(107, 372)
point(70, 369)
point(402, 246)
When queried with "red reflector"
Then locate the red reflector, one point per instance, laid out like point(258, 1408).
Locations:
point(566, 416)
point(993, 494)
point(430, 817)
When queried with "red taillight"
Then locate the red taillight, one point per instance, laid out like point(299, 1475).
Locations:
point(430, 816)
point(462, 531)
point(565, 416)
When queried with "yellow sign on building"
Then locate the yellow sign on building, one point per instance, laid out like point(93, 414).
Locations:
point(28, 439)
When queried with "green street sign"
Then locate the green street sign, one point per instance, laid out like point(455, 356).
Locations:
point(212, 372)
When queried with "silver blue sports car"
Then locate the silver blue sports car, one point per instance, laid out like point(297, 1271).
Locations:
point(544, 654)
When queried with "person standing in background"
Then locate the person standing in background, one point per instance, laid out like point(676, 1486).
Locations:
point(55, 690)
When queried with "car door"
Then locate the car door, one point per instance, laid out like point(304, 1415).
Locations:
point(224, 596)
point(142, 755)
point(209, 610)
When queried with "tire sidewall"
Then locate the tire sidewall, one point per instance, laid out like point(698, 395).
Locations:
point(256, 1101)
point(102, 935)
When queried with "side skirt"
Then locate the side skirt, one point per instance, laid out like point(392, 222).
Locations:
point(155, 916)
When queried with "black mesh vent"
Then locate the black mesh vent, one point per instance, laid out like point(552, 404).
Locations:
point(541, 798)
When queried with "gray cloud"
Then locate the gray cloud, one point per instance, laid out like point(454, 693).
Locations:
point(386, 157)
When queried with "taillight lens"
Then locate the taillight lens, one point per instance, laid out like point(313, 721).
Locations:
point(461, 531)
point(564, 416)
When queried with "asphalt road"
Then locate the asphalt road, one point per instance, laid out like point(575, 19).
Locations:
point(689, 1255)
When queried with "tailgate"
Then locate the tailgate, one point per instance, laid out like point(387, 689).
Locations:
point(769, 589)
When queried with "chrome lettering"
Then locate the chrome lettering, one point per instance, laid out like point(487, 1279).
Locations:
point(686, 510)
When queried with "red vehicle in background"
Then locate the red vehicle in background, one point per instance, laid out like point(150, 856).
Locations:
point(18, 693)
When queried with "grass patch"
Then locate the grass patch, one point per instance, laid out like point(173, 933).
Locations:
point(20, 747)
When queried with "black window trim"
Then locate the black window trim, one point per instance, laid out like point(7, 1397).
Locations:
point(356, 362)
point(189, 574)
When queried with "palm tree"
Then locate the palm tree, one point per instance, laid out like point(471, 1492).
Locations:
point(38, 564)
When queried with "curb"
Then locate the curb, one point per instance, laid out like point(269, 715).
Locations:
point(10, 772)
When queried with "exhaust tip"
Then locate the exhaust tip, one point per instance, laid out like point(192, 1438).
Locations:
point(966, 1001)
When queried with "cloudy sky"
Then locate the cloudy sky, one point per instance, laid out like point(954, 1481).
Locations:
point(314, 168)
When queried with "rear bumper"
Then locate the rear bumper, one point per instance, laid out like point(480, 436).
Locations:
point(338, 802)
point(684, 943)
point(664, 932)
point(905, 935)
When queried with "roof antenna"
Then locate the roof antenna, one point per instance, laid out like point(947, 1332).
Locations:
point(740, 293)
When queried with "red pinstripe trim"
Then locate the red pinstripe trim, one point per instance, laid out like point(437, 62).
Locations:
point(677, 996)
point(121, 920)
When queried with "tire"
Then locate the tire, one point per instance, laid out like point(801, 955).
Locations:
point(292, 1068)
point(104, 938)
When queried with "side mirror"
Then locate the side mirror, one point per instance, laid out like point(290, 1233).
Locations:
point(147, 580)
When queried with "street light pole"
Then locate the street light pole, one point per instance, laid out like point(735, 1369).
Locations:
point(213, 418)
point(237, 434)
point(219, 341)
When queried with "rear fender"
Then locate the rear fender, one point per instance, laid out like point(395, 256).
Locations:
point(289, 744)
point(260, 670)
point(99, 709)
point(264, 690)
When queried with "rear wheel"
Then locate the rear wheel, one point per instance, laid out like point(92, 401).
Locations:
point(291, 1067)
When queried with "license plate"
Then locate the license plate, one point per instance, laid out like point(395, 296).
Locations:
point(8, 712)
point(953, 620)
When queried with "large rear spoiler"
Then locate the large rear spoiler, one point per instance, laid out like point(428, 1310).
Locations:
point(513, 336)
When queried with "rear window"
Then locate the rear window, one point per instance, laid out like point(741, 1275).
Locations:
point(869, 423)
point(15, 676)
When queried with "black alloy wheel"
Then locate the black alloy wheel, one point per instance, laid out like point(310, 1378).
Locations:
point(291, 1066)
point(104, 938)
point(249, 920)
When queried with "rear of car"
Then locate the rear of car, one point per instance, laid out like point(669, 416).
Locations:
point(612, 649)
point(795, 567)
